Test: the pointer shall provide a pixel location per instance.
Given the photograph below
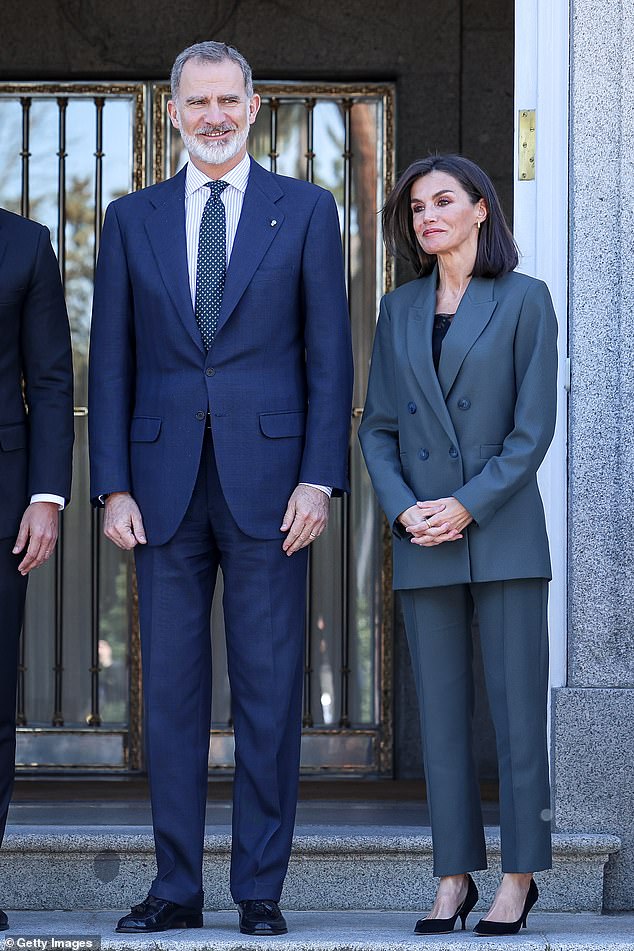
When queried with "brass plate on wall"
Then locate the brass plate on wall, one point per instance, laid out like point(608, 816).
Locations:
point(526, 145)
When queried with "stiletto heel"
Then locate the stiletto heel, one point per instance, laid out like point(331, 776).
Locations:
point(498, 928)
point(445, 925)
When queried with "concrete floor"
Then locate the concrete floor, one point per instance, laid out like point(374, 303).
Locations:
point(323, 931)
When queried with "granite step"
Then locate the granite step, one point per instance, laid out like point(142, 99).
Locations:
point(352, 869)
point(321, 931)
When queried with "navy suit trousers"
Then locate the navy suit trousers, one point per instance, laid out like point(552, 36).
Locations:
point(12, 594)
point(264, 609)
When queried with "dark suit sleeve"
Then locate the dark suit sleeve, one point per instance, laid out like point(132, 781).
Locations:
point(111, 366)
point(523, 450)
point(328, 351)
point(378, 432)
point(47, 367)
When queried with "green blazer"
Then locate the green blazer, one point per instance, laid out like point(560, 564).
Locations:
point(478, 430)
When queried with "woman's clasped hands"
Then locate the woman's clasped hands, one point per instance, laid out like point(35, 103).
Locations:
point(435, 521)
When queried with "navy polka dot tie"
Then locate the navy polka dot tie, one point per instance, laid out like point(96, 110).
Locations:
point(211, 264)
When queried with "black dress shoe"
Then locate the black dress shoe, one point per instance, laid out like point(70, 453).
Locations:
point(4, 921)
point(156, 914)
point(261, 917)
point(494, 929)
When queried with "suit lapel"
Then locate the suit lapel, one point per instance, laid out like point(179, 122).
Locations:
point(420, 325)
point(260, 222)
point(165, 228)
point(473, 315)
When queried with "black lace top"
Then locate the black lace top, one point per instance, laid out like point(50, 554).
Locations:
point(442, 323)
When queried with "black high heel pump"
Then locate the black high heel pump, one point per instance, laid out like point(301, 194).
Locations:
point(497, 928)
point(445, 925)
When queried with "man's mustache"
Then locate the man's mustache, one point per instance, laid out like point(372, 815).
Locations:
point(210, 129)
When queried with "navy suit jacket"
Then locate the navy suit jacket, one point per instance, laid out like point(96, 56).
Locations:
point(277, 381)
point(36, 372)
point(478, 430)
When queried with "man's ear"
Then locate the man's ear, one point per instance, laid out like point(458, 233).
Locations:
point(172, 112)
point(254, 107)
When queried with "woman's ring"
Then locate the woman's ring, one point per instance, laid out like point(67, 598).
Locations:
point(313, 535)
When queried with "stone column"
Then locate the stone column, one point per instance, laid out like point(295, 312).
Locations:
point(593, 718)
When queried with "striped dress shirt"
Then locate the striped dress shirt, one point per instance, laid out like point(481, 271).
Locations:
point(196, 195)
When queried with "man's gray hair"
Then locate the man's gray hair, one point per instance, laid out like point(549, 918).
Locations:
point(210, 52)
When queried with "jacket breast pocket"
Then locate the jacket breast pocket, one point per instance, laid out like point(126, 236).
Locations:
point(279, 425)
point(13, 437)
point(493, 449)
point(145, 428)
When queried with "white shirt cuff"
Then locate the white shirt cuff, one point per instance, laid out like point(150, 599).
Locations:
point(45, 497)
point(323, 488)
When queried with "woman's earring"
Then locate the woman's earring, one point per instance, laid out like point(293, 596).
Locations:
point(479, 223)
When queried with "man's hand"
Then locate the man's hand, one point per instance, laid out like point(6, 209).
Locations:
point(38, 528)
point(445, 526)
point(306, 517)
point(122, 522)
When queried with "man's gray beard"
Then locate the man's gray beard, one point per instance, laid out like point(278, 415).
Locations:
point(214, 153)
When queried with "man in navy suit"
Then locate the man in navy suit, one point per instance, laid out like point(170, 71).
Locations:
point(36, 375)
point(221, 384)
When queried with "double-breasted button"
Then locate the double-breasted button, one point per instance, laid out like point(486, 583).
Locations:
point(210, 371)
point(464, 403)
point(423, 454)
point(453, 452)
point(411, 407)
point(200, 414)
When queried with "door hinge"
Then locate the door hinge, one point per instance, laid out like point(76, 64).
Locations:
point(526, 146)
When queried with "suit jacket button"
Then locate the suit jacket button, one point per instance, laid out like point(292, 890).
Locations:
point(423, 454)
point(464, 403)
point(411, 407)
point(453, 452)
point(200, 414)
point(210, 371)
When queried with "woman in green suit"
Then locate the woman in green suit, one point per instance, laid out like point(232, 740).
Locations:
point(459, 414)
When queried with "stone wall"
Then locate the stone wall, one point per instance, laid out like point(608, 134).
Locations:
point(594, 713)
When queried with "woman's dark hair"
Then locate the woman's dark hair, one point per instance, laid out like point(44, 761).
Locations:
point(497, 252)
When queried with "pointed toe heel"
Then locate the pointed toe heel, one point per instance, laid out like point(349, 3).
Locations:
point(498, 928)
point(445, 925)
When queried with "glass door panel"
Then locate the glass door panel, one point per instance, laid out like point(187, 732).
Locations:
point(68, 150)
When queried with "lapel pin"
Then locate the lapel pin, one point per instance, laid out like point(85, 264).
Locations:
point(273, 222)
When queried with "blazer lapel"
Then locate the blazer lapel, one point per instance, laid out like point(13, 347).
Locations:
point(165, 228)
point(420, 325)
point(260, 222)
point(473, 314)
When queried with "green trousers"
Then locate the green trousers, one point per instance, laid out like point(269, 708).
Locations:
point(514, 637)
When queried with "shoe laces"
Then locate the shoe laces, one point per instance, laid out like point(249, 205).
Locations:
point(148, 904)
point(263, 907)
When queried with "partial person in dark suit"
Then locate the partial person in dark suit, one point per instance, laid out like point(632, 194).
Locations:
point(460, 412)
point(220, 399)
point(36, 441)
